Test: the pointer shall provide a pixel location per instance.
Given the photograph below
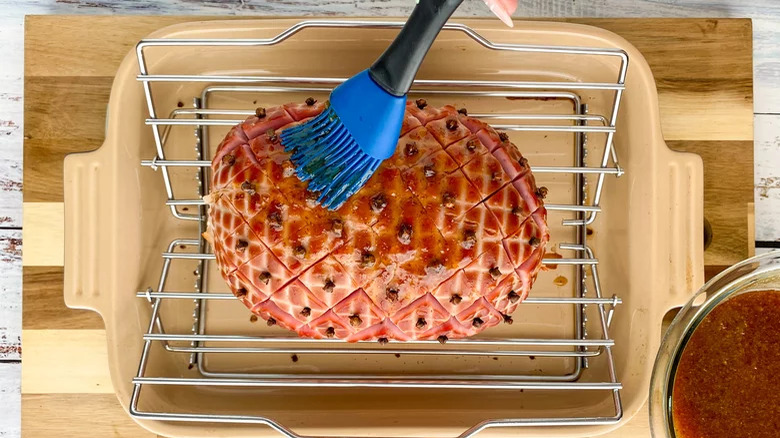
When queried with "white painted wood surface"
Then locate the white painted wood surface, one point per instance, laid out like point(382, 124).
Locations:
point(767, 175)
point(11, 118)
point(766, 25)
point(10, 295)
point(10, 399)
point(10, 328)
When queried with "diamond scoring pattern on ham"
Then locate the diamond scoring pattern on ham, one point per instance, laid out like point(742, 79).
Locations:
point(444, 240)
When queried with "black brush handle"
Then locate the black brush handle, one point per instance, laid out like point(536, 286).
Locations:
point(396, 68)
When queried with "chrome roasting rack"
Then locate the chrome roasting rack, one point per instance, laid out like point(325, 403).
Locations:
point(582, 348)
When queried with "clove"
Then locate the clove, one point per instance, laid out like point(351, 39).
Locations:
point(367, 259)
point(329, 286)
point(378, 203)
point(229, 160)
point(448, 200)
point(248, 187)
point(265, 277)
point(469, 239)
point(405, 234)
point(391, 294)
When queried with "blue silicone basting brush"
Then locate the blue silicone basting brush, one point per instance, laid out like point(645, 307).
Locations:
point(339, 150)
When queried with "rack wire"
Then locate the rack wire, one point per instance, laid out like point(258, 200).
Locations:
point(581, 348)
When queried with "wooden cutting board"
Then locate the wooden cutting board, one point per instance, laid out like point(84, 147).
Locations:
point(703, 70)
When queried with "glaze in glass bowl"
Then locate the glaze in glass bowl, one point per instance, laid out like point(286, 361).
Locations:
point(761, 272)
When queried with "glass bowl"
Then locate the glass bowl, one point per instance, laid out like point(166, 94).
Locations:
point(757, 273)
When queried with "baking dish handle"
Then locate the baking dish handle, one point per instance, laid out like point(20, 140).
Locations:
point(685, 218)
point(86, 177)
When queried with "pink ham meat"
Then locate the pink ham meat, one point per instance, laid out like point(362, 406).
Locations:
point(444, 241)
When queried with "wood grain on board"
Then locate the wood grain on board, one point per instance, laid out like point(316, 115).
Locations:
point(44, 306)
point(728, 196)
point(705, 99)
point(42, 248)
point(99, 415)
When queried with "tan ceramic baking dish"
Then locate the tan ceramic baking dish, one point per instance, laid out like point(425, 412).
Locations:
point(648, 239)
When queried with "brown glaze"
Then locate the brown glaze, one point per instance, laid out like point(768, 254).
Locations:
point(727, 382)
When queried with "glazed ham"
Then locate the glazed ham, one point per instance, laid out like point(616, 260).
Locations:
point(444, 241)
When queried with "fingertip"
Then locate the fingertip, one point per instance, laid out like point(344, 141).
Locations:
point(510, 6)
point(503, 16)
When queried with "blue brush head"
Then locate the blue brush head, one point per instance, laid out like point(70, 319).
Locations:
point(339, 150)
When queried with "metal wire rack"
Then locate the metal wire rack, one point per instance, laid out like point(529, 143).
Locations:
point(581, 348)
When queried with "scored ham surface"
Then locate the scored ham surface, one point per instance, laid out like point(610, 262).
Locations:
point(444, 240)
